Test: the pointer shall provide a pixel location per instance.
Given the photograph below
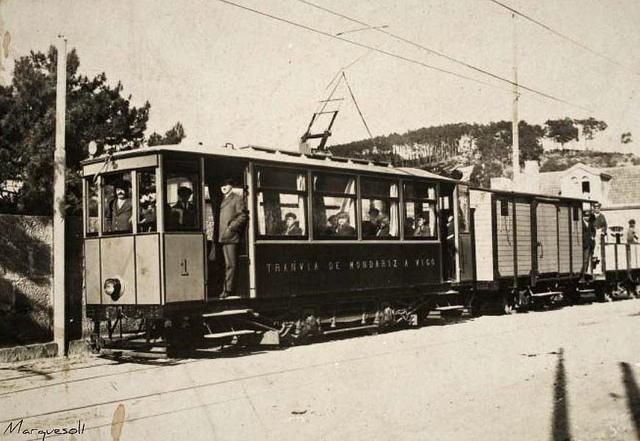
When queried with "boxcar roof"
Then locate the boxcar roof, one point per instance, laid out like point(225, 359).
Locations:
point(532, 195)
point(283, 157)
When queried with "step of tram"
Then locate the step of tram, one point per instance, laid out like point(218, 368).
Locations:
point(227, 313)
point(229, 334)
point(545, 294)
point(355, 328)
point(450, 308)
point(150, 353)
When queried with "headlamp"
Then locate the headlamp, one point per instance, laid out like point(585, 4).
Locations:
point(113, 288)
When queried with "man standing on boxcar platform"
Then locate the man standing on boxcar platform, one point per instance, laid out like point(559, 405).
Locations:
point(588, 241)
point(600, 224)
point(233, 217)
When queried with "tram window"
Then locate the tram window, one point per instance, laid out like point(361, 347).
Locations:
point(182, 212)
point(420, 220)
point(334, 207)
point(282, 201)
point(92, 211)
point(419, 190)
point(420, 214)
point(576, 215)
point(147, 201)
point(379, 209)
point(463, 209)
point(116, 200)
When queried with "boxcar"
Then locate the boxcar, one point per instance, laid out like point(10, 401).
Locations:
point(535, 244)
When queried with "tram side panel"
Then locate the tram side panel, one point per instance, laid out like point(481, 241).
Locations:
point(481, 202)
point(184, 263)
point(93, 283)
point(304, 269)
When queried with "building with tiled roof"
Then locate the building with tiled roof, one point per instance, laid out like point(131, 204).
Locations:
point(616, 188)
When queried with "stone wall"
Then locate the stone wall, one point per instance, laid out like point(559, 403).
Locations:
point(26, 264)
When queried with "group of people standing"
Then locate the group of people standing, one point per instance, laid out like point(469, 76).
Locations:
point(594, 234)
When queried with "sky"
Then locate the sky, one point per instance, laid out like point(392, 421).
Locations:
point(232, 75)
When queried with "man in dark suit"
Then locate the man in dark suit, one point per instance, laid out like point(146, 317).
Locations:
point(184, 211)
point(119, 210)
point(588, 241)
point(233, 217)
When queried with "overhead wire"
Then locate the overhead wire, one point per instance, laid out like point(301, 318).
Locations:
point(373, 48)
point(558, 34)
point(441, 54)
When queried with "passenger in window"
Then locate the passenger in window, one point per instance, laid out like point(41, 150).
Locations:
point(148, 212)
point(422, 228)
point(233, 217)
point(119, 211)
point(292, 226)
point(383, 226)
point(332, 224)
point(184, 211)
point(370, 227)
point(344, 228)
point(408, 227)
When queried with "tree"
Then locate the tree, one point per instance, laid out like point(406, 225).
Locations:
point(95, 112)
point(591, 126)
point(171, 137)
point(561, 130)
point(625, 138)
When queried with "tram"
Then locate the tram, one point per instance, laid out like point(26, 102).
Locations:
point(372, 244)
point(321, 245)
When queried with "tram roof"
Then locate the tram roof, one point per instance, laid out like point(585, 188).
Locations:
point(284, 157)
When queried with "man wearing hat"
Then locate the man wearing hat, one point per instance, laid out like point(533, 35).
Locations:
point(588, 241)
point(370, 227)
point(184, 211)
point(233, 217)
point(119, 210)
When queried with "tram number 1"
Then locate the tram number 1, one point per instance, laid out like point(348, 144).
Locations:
point(185, 270)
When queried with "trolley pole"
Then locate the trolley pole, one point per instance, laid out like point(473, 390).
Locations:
point(515, 133)
point(59, 166)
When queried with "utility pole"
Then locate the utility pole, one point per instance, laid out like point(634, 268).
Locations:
point(515, 134)
point(59, 165)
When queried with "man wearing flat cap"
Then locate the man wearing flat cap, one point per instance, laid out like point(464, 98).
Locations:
point(233, 218)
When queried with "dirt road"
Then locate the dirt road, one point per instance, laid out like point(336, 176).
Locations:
point(567, 373)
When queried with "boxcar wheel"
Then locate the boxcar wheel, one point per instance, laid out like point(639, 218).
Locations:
point(508, 306)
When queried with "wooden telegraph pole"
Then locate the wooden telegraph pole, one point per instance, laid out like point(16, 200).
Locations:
point(59, 165)
point(515, 133)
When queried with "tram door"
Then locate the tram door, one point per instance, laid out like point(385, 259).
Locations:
point(448, 232)
point(216, 173)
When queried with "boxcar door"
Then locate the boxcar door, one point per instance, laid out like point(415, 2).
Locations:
point(547, 234)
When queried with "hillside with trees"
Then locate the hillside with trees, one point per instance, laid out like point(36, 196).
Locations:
point(487, 147)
